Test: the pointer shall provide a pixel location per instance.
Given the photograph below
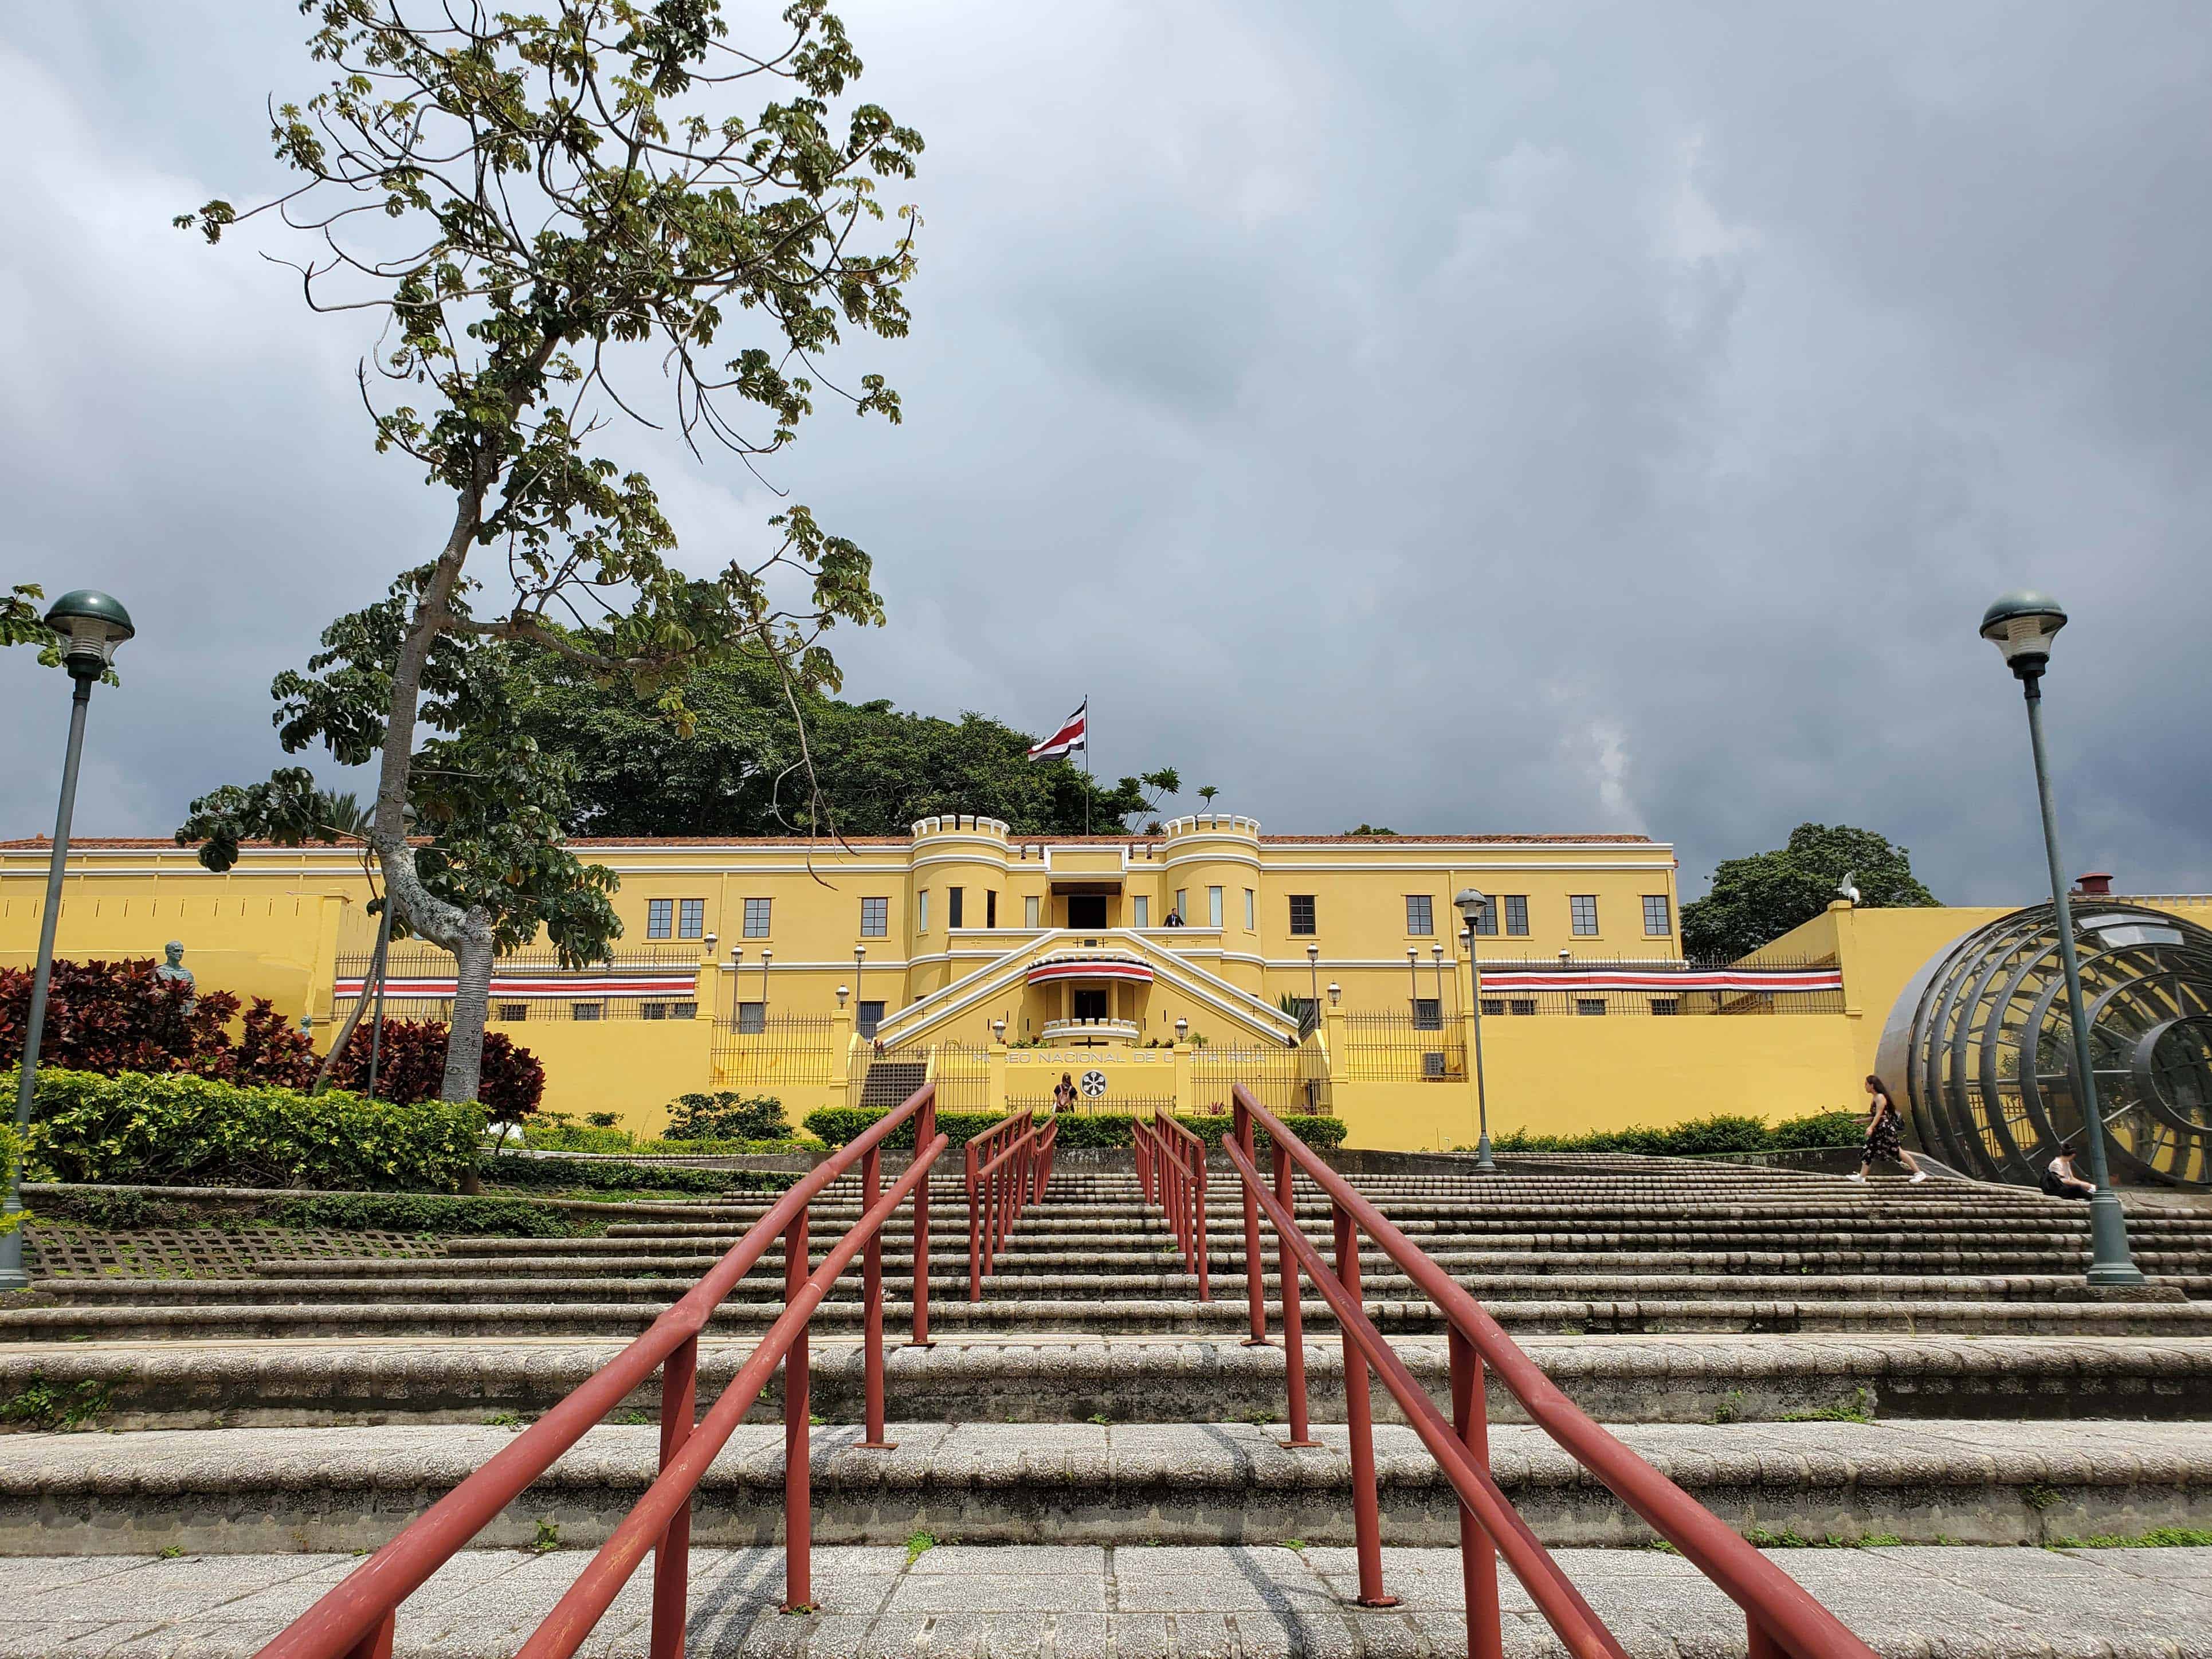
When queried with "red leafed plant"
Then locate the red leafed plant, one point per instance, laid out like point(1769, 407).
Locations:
point(410, 1067)
point(109, 1018)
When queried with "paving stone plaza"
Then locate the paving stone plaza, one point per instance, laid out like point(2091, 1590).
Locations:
point(1905, 1393)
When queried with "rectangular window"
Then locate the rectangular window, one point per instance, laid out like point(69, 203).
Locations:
point(756, 918)
point(1589, 1004)
point(1582, 909)
point(752, 1016)
point(1493, 1006)
point(660, 918)
point(1143, 903)
point(1487, 921)
point(653, 1011)
point(585, 1011)
point(1666, 1004)
point(871, 1015)
point(991, 909)
point(1251, 911)
point(684, 1011)
point(1302, 913)
point(1522, 1005)
point(1655, 917)
point(1214, 907)
point(1420, 913)
point(1029, 911)
point(1181, 911)
point(1516, 914)
point(922, 911)
point(513, 1011)
point(875, 918)
point(1428, 1014)
point(956, 907)
point(1304, 1010)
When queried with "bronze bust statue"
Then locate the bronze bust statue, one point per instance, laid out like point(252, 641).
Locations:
point(173, 971)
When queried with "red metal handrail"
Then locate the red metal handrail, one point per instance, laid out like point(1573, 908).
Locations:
point(1779, 1615)
point(1171, 1170)
point(1008, 1167)
point(356, 1619)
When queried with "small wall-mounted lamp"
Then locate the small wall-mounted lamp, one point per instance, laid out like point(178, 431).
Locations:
point(1335, 994)
point(842, 992)
point(998, 1030)
point(1182, 1030)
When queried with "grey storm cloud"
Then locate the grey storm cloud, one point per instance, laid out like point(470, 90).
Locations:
point(1487, 417)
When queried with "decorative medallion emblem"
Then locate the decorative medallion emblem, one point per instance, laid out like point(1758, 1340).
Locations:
point(1093, 1084)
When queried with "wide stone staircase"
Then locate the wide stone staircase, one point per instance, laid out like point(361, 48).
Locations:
point(1091, 1455)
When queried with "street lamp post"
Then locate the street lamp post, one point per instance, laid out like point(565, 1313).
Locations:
point(2021, 625)
point(91, 626)
point(1313, 976)
point(1473, 906)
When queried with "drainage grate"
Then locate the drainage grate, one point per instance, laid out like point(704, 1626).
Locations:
point(56, 1252)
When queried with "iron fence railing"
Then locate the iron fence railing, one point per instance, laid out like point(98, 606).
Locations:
point(1283, 1078)
point(1626, 987)
point(962, 1076)
point(419, 983)
point(1391, 1047)
point(776, 1048)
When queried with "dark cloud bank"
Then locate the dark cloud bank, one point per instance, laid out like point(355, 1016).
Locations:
point(1534, 417)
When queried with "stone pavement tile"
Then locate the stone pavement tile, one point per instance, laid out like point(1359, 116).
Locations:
point(184, 1587)
point(2186, 1570)
point(25, 1640)
point(29, 1575)
point(1055, 1558)
point(777, 1636)
point(1172, 1578)
point(850, 1579)
point(982, 1593)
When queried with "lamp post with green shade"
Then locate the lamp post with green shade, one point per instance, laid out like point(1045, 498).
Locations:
point(91, 625)
point(2022, 626)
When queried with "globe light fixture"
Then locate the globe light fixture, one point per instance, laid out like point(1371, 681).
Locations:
point(2021, 625)
point(1472, 905)
point(90, 624)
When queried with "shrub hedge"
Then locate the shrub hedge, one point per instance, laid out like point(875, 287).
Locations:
point(840, 1124)
point(1722, 1132)
point(174, 1130)
point(423, 1212)
point(557, 1174)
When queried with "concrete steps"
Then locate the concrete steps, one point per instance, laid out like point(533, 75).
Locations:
point(271, 1490)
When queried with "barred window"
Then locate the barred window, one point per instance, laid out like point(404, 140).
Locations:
point(1516, 914)
point(758, 912)
point(1589, 1004)
point(660, 918)
point(1655, 917)
point(585, 1010)
point(653, 1011)
point(1428, 1014)
point(1493, 1004)
point(875, 918)
point(752, 1016)
point(1666, 1004)
point(1522, 1005)
point(1302, 913)
point(871, 1015)
point(1420, 913)
point(1583, 908)
point(513, 1011)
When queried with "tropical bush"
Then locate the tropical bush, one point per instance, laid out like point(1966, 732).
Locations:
point(726, 1116)
point(115, 1016)
point(838, 1124)
point(410, 1067)
point(177, 1130)
point(1700, 1137)
point(428, 1213)
point(608, 1175)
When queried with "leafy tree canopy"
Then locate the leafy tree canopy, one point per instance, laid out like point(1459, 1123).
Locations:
point(1756, 900)
point(736, 766)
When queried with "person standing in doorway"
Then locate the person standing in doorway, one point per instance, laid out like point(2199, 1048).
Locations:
point(1885, 1135)
point(1063, 1096)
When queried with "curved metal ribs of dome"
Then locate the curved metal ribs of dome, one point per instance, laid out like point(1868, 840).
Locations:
point(1991, 1085)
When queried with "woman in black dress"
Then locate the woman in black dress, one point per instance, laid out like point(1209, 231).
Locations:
point(1885, 1135)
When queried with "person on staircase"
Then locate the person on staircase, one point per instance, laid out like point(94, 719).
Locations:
point(2059, 1178)
point(1885, 1135)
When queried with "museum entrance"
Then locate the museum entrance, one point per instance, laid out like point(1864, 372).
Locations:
point(1086, 910)
point(1091, 1005)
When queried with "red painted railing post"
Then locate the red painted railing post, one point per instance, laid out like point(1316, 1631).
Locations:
point(1762, 1646)
point(1360, 1423)
point(1196, 1149)
point(925, 1131)
point(1477, 1556)
point(871, 1290)
point(377, 1645)
point(1255, 1281)
point(671, 1557)
point(797, 1495)
point(974, 1223)
point(1294, 1330)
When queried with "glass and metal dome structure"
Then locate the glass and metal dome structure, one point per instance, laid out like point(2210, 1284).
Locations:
point(1983, 1046)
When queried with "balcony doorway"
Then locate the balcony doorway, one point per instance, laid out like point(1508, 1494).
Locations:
point(1091, 1005)
point(1086, 910)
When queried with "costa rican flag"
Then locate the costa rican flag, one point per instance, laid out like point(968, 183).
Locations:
point(1068, 738)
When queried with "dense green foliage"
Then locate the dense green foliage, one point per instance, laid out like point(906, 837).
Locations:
point(733, 766)
point(726, 1116)
point(610, 1176)
point(174, 1130)
point(427, 1214)
point(1723, 1133)
point(838, 1124)
point(1758, 899)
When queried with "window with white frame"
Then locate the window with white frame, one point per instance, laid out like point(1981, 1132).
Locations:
point(1214, 907)
point(1655, 917)
point(875, 918)
point(1030, 908)
point(1183, 905)
point(1302, 920)
point(1251, 911)
point(922, 911)
point(691, 919)
point(1582, 911)
point(660, 918)
point(1420, 913)
point(1516, 914)
point(756, 918)
point(1143, 901)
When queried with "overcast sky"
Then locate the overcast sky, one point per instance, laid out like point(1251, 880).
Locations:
point(1459, 417)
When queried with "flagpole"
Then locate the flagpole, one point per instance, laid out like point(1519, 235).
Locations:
point(1086, 763)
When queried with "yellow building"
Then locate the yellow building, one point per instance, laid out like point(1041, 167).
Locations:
point(1325, 971)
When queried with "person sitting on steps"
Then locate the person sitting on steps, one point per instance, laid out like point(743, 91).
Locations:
point(2060, 1180)
point(1885, 1136)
